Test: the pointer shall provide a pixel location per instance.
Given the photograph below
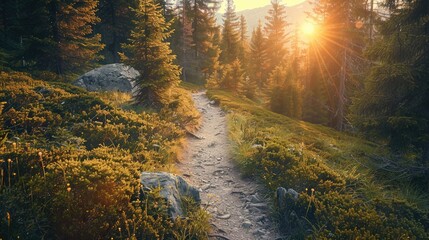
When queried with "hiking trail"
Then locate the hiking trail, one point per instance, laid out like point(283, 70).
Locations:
point(239, 209)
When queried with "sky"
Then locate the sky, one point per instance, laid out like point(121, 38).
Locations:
point(241, 5)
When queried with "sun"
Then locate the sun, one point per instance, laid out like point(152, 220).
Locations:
point(308, 28)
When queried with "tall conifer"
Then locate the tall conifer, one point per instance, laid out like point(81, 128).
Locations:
point(150, 54)
point(75, 46)
point(395, 101)
point(230, 34)
point(277, 36)
point(258, 57)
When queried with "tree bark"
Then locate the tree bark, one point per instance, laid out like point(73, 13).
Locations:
point(53, 11)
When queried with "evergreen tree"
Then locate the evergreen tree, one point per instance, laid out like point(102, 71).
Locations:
point(150, 54)
point(315, 102)
point(75, 46)
point(247, 87)
point(232, 75)
point(258, 58)
point(277, 37)
point(203, 31)
point(286, 92)
point(194, 38)
point(213, 63)
point(25, 35)
point(50, 35)
point(230, 35)
point(394, 102)
point(182, 40)
point(339, 44)
point(115, 26)
point(243, 50)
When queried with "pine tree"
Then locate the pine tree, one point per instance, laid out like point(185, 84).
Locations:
point(74, 45)
point(394, 102)
point(50, 35)
point(150, 54)
point(213, 64)
point(285, 94)
point(182, 40)
point(277, 37)
point(243, 50)
point(116, 23)
point(230, 35)
point(315, 97)
point(258, 57)
point(340, 44)
point(247, 87)
point(209, 50)
point(25, 35)
point(193, 41)
point(232, 75)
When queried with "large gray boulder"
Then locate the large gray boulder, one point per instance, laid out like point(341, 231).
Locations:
point(111, 77)
point(173, 188)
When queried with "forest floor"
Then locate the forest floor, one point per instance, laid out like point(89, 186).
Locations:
point(239, 207)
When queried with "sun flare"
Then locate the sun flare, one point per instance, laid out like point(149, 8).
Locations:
point(308, 29)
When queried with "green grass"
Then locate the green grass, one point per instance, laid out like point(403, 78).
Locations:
point(342, 168)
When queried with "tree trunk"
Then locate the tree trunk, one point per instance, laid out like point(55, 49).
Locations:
point(339, 115)
point(53, 11)
point(115, 42)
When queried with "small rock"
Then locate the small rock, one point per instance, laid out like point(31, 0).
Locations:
point(259, 232)
point(257, 146)
point(219, 173)
point(246, 224)
point(206, 186)
point(260, 218)
point(187, 175)
point(224, 216)
point(255, 199)
point(259, 205)
point(285, 197)
point(254, 210)
point(293, 193)
point(237, 192)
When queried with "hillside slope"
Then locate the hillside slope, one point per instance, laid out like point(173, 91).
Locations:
point(347, 190)
point(70, 163)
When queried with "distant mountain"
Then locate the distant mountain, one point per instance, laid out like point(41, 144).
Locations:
point(294, 15)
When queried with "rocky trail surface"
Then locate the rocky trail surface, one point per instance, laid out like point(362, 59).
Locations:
point(238, 207)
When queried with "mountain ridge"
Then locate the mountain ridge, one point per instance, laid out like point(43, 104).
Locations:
point(295, 15)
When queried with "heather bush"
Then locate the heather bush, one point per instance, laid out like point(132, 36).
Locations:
point(70, 164)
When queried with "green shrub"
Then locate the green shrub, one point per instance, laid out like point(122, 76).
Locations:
point(70, 165)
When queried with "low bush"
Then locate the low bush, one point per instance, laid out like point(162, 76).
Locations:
point(70, 164)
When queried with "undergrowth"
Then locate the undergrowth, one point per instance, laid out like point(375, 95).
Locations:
point(345, 191)
point(70, 163)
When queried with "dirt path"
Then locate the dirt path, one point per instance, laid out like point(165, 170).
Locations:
point(238, 208)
